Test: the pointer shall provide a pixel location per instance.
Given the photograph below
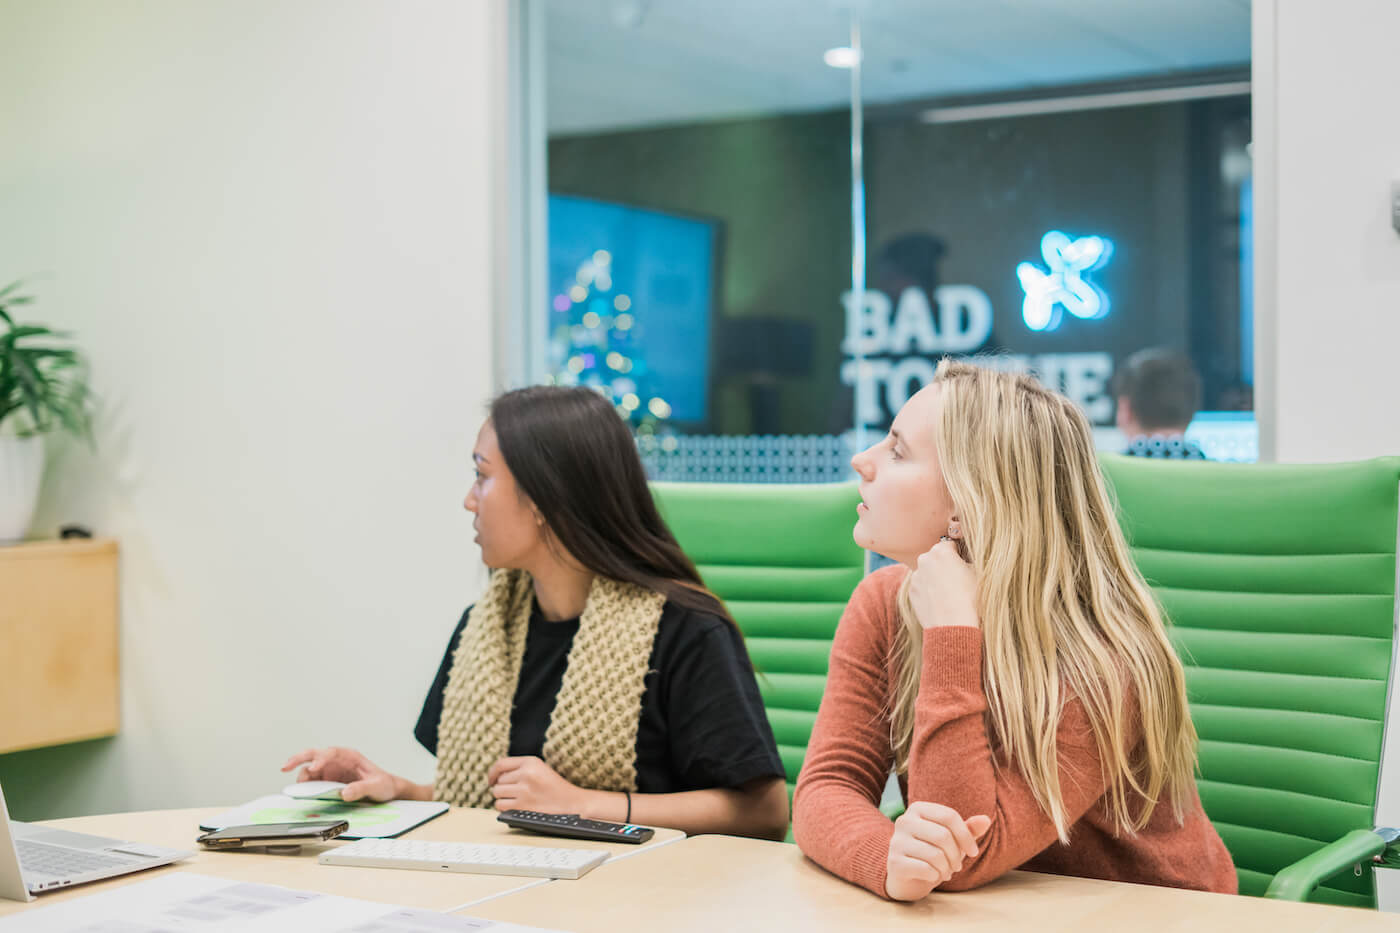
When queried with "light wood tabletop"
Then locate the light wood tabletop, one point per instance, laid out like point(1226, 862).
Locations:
point(433, 890)
point(709, 883)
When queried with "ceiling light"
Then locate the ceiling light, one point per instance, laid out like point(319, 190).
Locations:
point(958, 113)
point(841, 57)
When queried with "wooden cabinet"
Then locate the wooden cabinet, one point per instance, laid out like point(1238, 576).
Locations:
point(58, 643)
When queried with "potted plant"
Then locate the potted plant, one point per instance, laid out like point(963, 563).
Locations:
point(43, 388)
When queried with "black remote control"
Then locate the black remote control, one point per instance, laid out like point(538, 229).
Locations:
point(575, 827)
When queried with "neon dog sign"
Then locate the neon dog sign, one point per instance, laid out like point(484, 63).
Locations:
point(1064, 285)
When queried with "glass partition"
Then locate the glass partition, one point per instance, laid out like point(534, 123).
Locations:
point(768, 220)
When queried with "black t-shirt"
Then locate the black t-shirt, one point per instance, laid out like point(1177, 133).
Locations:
point(702, 723)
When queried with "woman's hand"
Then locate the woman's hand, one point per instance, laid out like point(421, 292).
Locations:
point(363, 779)
point(943, 588)
point(527, 783)
point(928, 847)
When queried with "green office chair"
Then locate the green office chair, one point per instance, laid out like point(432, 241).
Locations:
point(782, 559)
point(1280, 584)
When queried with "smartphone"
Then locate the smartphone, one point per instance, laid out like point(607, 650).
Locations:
point(273, 834)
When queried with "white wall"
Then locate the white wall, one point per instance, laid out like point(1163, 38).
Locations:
point(1327, 148)
point(269, 224)
point(1327, 287)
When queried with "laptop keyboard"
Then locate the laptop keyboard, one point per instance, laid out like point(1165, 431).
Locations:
point(40, 859)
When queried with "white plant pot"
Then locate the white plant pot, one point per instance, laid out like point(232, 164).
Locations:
point(21, 468)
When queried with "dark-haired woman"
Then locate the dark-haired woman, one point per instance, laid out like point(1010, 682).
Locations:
point(597, 674)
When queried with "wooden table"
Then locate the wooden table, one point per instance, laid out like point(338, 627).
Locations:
point(444, 891)
point(709, 883)
point(714, 883)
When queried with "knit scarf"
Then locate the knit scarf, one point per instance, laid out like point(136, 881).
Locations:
point(592, 736)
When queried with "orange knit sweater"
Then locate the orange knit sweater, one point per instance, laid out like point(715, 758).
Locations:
point(835, 818)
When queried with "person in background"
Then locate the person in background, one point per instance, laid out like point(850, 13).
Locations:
point(597, 674)
point(1158, 392)
point(1013, 669)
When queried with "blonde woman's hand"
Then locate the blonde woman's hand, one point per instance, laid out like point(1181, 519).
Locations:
point(928, 847)
point(363, 779)
point(527, 783)
point(943, 588)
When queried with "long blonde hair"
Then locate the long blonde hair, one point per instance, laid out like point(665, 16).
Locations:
point(1064, 611)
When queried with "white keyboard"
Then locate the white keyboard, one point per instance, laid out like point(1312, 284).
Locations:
point(479, 859)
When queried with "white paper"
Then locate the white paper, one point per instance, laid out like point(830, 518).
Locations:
point(186, 902)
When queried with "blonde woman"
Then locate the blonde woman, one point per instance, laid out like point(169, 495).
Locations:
point(1013, 669)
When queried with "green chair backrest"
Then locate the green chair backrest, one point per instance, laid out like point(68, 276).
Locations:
point(1279, 581)
point(782, 559)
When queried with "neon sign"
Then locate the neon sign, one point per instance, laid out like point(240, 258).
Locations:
point(1064, 285)
point(892, 350)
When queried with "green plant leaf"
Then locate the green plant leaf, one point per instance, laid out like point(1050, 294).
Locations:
point(58, 355)
point(41, 376)
point(20, 331)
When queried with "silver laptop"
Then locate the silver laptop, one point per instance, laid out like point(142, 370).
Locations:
point(34, 859)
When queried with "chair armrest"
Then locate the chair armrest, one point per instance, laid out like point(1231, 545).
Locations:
point(1297, 881)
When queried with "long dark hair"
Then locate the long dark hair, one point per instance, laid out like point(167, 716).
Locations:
point(570, 452)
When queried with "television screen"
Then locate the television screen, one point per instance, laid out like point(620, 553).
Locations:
point(632, 291)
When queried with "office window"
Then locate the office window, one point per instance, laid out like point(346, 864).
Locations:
point(1056, 185)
